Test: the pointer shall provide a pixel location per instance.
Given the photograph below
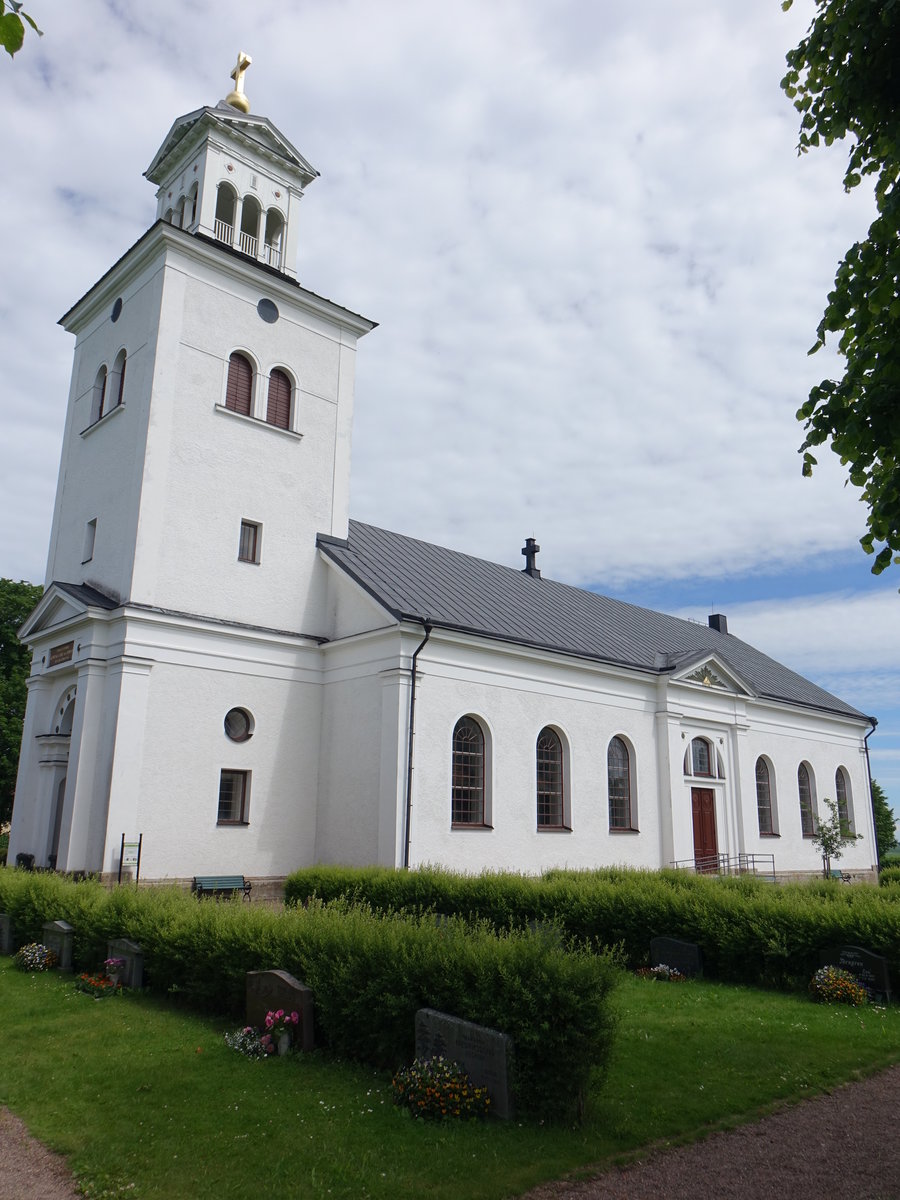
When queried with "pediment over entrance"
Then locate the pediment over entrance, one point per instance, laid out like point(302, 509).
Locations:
point(709, 671)
point(61, 604)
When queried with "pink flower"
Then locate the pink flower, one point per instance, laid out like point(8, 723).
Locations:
point(269, 1021)
point(295, 1017)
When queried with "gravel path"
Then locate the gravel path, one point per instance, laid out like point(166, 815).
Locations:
point(843, 1146)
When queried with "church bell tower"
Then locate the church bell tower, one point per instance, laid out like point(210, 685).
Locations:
point(207, 444)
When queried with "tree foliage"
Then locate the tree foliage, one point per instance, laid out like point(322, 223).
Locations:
point(16, 602)
point(12, 26)
point(844, 79)
point(884, 821)
point(832, 836)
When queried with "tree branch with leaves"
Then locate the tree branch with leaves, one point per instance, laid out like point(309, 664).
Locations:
point(12, 26)
point(844, 80)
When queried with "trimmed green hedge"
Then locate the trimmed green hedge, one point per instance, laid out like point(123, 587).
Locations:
point(749, 931)
point(369, 972)
point(888, 876)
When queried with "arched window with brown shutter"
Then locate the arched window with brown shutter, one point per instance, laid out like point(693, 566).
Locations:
point(118, 377)
point(278, 409)
point(239, 390)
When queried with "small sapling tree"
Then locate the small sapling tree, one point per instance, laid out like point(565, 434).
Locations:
point(832, 836)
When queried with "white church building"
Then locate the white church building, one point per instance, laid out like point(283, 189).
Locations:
point(228, 667)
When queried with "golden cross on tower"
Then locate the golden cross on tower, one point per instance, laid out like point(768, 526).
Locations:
point(237, 99)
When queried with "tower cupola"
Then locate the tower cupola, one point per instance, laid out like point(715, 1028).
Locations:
point(232, 176)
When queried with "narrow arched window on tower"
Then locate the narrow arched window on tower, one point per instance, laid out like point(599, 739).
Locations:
point(98, 403)
point(118, 379)
point(239, 389)
point(278, 409)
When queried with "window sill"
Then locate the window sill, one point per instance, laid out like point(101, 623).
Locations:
point(232, 824)
point(471, 825)
point(617, 829)
point(107, 416)
point(554, 829)
point(288, 433)
point(772, 835)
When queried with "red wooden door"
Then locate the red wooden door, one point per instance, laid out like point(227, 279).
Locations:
point(706, 850)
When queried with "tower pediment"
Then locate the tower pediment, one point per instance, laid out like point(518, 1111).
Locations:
point(257, 134)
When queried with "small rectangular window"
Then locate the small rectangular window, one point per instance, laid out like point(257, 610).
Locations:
point(90, 535)
point(249, 545)
point(234, 798)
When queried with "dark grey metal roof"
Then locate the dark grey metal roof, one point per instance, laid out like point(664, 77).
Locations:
point(86, 594)
point(422, 582)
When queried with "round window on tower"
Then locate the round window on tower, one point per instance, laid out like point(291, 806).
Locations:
point(268, 311)
point(238, 725)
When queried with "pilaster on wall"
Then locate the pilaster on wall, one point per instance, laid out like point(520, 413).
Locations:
point(392, 779)
point(129, 680)
point(668, 727)
point(29, 820)
point(83, 830)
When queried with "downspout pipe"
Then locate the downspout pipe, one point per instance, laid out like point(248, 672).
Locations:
point(874, 722)
point(409, 749)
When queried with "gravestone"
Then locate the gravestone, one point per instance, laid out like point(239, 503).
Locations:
point(6, 942)
point(59, 937)
point(131, 954)
point(670, 952)
point(485, 1054)
point(870, 969)
point(271, 990)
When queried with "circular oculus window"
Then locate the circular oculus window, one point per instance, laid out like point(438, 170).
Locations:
point(238, 724)
point(268, 311)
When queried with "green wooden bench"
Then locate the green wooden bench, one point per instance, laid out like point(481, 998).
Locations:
point(221, 885)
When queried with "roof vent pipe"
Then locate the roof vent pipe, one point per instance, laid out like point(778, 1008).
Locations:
point(531, 550)
point(718, 622)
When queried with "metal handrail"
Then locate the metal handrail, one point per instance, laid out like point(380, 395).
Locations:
point(762, 865)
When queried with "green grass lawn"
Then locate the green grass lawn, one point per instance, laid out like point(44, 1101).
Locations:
point(147, 1101)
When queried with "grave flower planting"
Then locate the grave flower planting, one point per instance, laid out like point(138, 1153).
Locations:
point(34, 957)
point(433, 1089)
point(833, 985)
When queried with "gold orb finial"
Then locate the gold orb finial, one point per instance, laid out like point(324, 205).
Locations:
point(237, 99)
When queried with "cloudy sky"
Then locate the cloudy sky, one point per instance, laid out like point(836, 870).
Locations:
point(596, 260)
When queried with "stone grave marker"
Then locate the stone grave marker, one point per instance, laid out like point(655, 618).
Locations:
point(271, 990)
point(6, 942)
point(131, 954)
point(59, 936)
point(486, 1054)
point(683, 956)
point(870, 969)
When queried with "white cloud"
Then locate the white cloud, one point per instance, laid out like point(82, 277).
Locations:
point(596, 260)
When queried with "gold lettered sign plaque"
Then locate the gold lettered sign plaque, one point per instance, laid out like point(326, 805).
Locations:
point(61, 654)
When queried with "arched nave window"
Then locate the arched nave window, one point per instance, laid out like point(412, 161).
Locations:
point(239, 389)
point(467, 773)
point(764, 802)
point(549, 780)
point(618, 772)
point(842, 792)
point(807, 801)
